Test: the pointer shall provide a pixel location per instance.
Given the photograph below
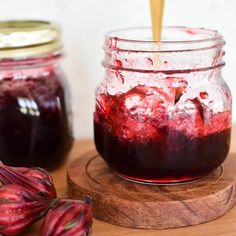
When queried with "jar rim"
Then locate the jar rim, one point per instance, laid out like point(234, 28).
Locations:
point(195, 38)
point(26, 38)
point(182, 50)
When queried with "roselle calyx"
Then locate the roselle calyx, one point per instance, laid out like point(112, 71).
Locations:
point(36, 180)
point(68, 218)
point(20, 208)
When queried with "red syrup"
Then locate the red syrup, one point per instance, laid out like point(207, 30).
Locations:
point(34, 129)
point(156, 148)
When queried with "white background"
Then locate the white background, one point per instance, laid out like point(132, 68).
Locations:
point(85, 22)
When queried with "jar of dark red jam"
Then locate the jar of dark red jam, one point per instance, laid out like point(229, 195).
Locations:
point(163, 110)
point(34, 125)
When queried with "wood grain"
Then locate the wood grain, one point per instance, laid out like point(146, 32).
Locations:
point(121, 202)
point(224, 226)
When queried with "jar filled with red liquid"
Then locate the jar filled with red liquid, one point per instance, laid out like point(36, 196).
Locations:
point(34, 125)
point(163, 110)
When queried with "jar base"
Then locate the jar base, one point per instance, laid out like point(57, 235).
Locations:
point(164, 181)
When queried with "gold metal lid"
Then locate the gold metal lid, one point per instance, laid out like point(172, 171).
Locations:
point(24, 38)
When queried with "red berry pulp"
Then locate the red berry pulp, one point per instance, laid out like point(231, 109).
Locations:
point(34, 128)
point(157, 148)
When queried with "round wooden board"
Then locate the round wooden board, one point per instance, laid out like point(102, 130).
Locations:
point(121, 202)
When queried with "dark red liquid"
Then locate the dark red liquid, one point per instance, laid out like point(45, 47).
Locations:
point(159, 149)
point(34, 129)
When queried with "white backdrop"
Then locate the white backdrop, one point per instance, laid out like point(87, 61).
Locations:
point(85, 22)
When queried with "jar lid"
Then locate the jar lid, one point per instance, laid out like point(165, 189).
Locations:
point(26, 38)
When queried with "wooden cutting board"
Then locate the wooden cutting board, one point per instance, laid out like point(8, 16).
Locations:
point(121, 202)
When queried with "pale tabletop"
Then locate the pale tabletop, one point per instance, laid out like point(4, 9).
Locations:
point(225, 226)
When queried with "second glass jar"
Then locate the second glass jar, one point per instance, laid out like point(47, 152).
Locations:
point(35, 127)
point(163, 110)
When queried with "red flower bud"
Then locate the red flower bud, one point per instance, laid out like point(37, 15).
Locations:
point(68, 218)
point(19, 208)
point(36, 180)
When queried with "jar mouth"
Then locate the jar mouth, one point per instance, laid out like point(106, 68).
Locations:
point(27, 38)
point(174, 39)
point(181, 50)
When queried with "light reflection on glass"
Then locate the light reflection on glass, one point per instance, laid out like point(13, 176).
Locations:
point(28, 106)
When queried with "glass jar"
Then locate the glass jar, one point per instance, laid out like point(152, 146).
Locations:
point(34, 125)
point(163, 110)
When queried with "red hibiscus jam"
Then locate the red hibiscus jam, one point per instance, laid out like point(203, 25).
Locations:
point(154, 149)
point(34, 129)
